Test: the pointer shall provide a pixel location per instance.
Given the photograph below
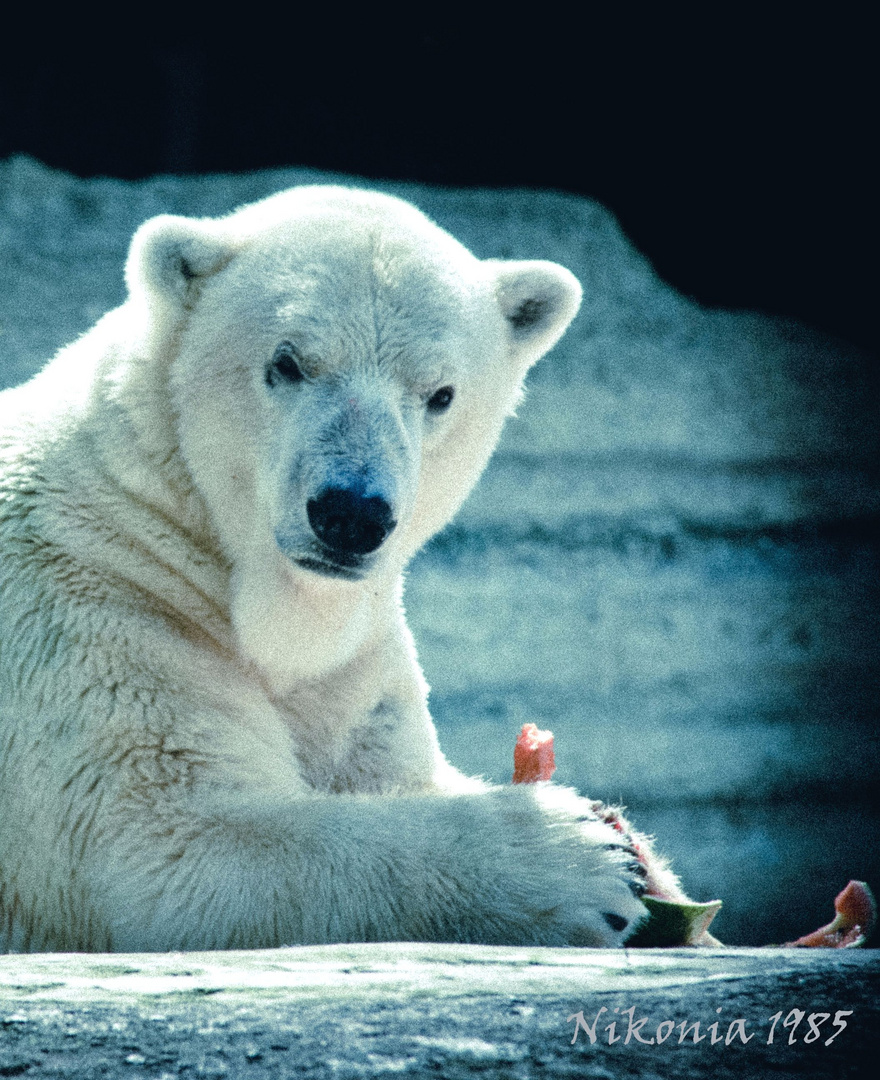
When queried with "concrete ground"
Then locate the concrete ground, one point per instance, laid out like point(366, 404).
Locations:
point(442, 1011)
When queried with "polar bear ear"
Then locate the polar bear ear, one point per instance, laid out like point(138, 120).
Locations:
point(538, 300)
point(169, 255)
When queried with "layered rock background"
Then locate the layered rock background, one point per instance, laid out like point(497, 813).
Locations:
point(672, 561)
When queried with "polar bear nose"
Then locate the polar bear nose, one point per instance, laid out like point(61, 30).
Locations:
point(349, 522)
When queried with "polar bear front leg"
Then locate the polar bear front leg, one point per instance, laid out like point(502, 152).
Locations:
point(510, 866)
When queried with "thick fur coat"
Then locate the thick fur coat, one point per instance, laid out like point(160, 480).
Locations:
point(214, 730)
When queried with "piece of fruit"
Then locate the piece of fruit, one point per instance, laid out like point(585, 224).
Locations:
point(671, 923)
point(533, 758)
point(853, 924)
point(673, 918)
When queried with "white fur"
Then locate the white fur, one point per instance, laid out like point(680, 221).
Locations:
point(203, 743)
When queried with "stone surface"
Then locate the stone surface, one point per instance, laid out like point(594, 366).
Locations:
point(445, 1011)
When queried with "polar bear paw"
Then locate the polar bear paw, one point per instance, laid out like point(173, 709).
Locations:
point(567, 877)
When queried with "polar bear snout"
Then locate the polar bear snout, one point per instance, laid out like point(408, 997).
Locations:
point(348, 522)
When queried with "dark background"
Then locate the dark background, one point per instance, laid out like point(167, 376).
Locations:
point(736, 153)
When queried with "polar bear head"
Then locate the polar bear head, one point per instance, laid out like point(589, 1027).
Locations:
point(339, 368)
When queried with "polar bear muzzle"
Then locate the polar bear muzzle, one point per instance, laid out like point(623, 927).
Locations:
point(349, 523)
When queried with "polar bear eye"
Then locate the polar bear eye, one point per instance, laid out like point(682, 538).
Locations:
point(441, 399)
point(284, 366)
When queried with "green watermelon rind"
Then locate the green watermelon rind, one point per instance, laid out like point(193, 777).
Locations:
point(671, 923)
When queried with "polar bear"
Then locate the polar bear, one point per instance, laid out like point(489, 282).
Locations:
point(214, 730)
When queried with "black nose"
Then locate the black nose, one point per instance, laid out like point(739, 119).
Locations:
point(349, 522)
